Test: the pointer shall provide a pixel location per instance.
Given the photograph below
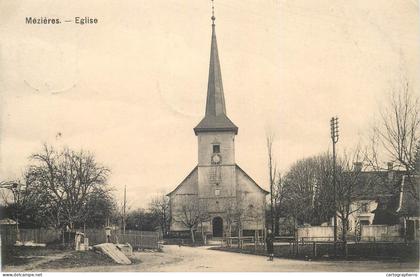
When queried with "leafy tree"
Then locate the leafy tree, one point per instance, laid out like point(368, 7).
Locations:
point(100, 207)
point(306, 190)
point(142, 220)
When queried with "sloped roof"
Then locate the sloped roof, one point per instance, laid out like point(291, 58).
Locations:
point(217, 123)
point(255, 183)
point(180, 184)
point(409, 198)
point(393, 191)
point(377, 184)
point(196, 168)
point(382, 187)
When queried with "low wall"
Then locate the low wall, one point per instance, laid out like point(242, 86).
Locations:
point(381, 233)
point(316, 233)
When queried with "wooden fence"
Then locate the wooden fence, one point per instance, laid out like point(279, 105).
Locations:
point(141, 239)
point(137, 239)
point(9, 235)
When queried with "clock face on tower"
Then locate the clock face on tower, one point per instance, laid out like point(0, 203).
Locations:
point(216, 159)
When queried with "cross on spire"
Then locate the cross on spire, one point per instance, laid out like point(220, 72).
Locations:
point(213, 18)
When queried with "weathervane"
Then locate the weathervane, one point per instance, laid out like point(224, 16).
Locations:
point(213, 18)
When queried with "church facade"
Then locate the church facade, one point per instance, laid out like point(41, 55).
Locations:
point(217, 197)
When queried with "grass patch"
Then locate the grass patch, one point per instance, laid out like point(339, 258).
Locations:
point(83, 259)
point(361, 251)
point(80, 259)
point(21, 255)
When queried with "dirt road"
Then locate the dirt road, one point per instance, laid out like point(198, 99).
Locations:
point(175, 258)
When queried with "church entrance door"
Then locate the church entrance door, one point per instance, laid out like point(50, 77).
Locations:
point(217, 227)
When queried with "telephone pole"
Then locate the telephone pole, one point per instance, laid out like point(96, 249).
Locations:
point(124, 207)
point(334, 138)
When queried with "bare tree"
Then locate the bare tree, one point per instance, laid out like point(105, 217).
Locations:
point(230, 209)
point(192, 212)
point(236, 215)
point(308, 184)
point(65, 180)
point(159, 206)
point(353, 186)
point(417, 160)
point(397, 134)
point(349, 188)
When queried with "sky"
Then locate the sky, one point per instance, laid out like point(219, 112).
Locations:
point(131, 88)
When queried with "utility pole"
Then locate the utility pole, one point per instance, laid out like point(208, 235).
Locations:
point(334, 138)
point(124, 207)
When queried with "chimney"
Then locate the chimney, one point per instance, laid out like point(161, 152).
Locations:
point(358, 166)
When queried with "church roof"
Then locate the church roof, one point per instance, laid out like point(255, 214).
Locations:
point(194, 171)
point(185, 179)
point(252, 180)
point(215, 118)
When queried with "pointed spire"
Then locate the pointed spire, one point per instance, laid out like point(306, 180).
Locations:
point(215, 98)
point(215, 118)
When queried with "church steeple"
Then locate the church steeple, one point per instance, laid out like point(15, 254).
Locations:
point(215, 118)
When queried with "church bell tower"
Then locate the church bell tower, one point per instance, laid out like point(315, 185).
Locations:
point(216, 140)
point(217, 190)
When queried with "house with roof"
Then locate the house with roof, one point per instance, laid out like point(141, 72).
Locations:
point(385, 205)
point(408, 208)
point(217, 196)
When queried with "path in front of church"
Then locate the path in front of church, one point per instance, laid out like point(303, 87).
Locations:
point(175, 258)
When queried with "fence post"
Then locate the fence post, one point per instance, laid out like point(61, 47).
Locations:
point(314, 250)
point(346, 250)
point(374, 246)
point(141, 238)
point(255, 242)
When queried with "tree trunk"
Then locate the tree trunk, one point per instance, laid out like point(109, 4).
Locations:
point(192, 235)
point(230, 234)
point(203, 237)
point(276, 225)
point(345, 227)
point(239, 236)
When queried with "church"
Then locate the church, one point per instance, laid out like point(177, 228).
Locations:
point(217, 198)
